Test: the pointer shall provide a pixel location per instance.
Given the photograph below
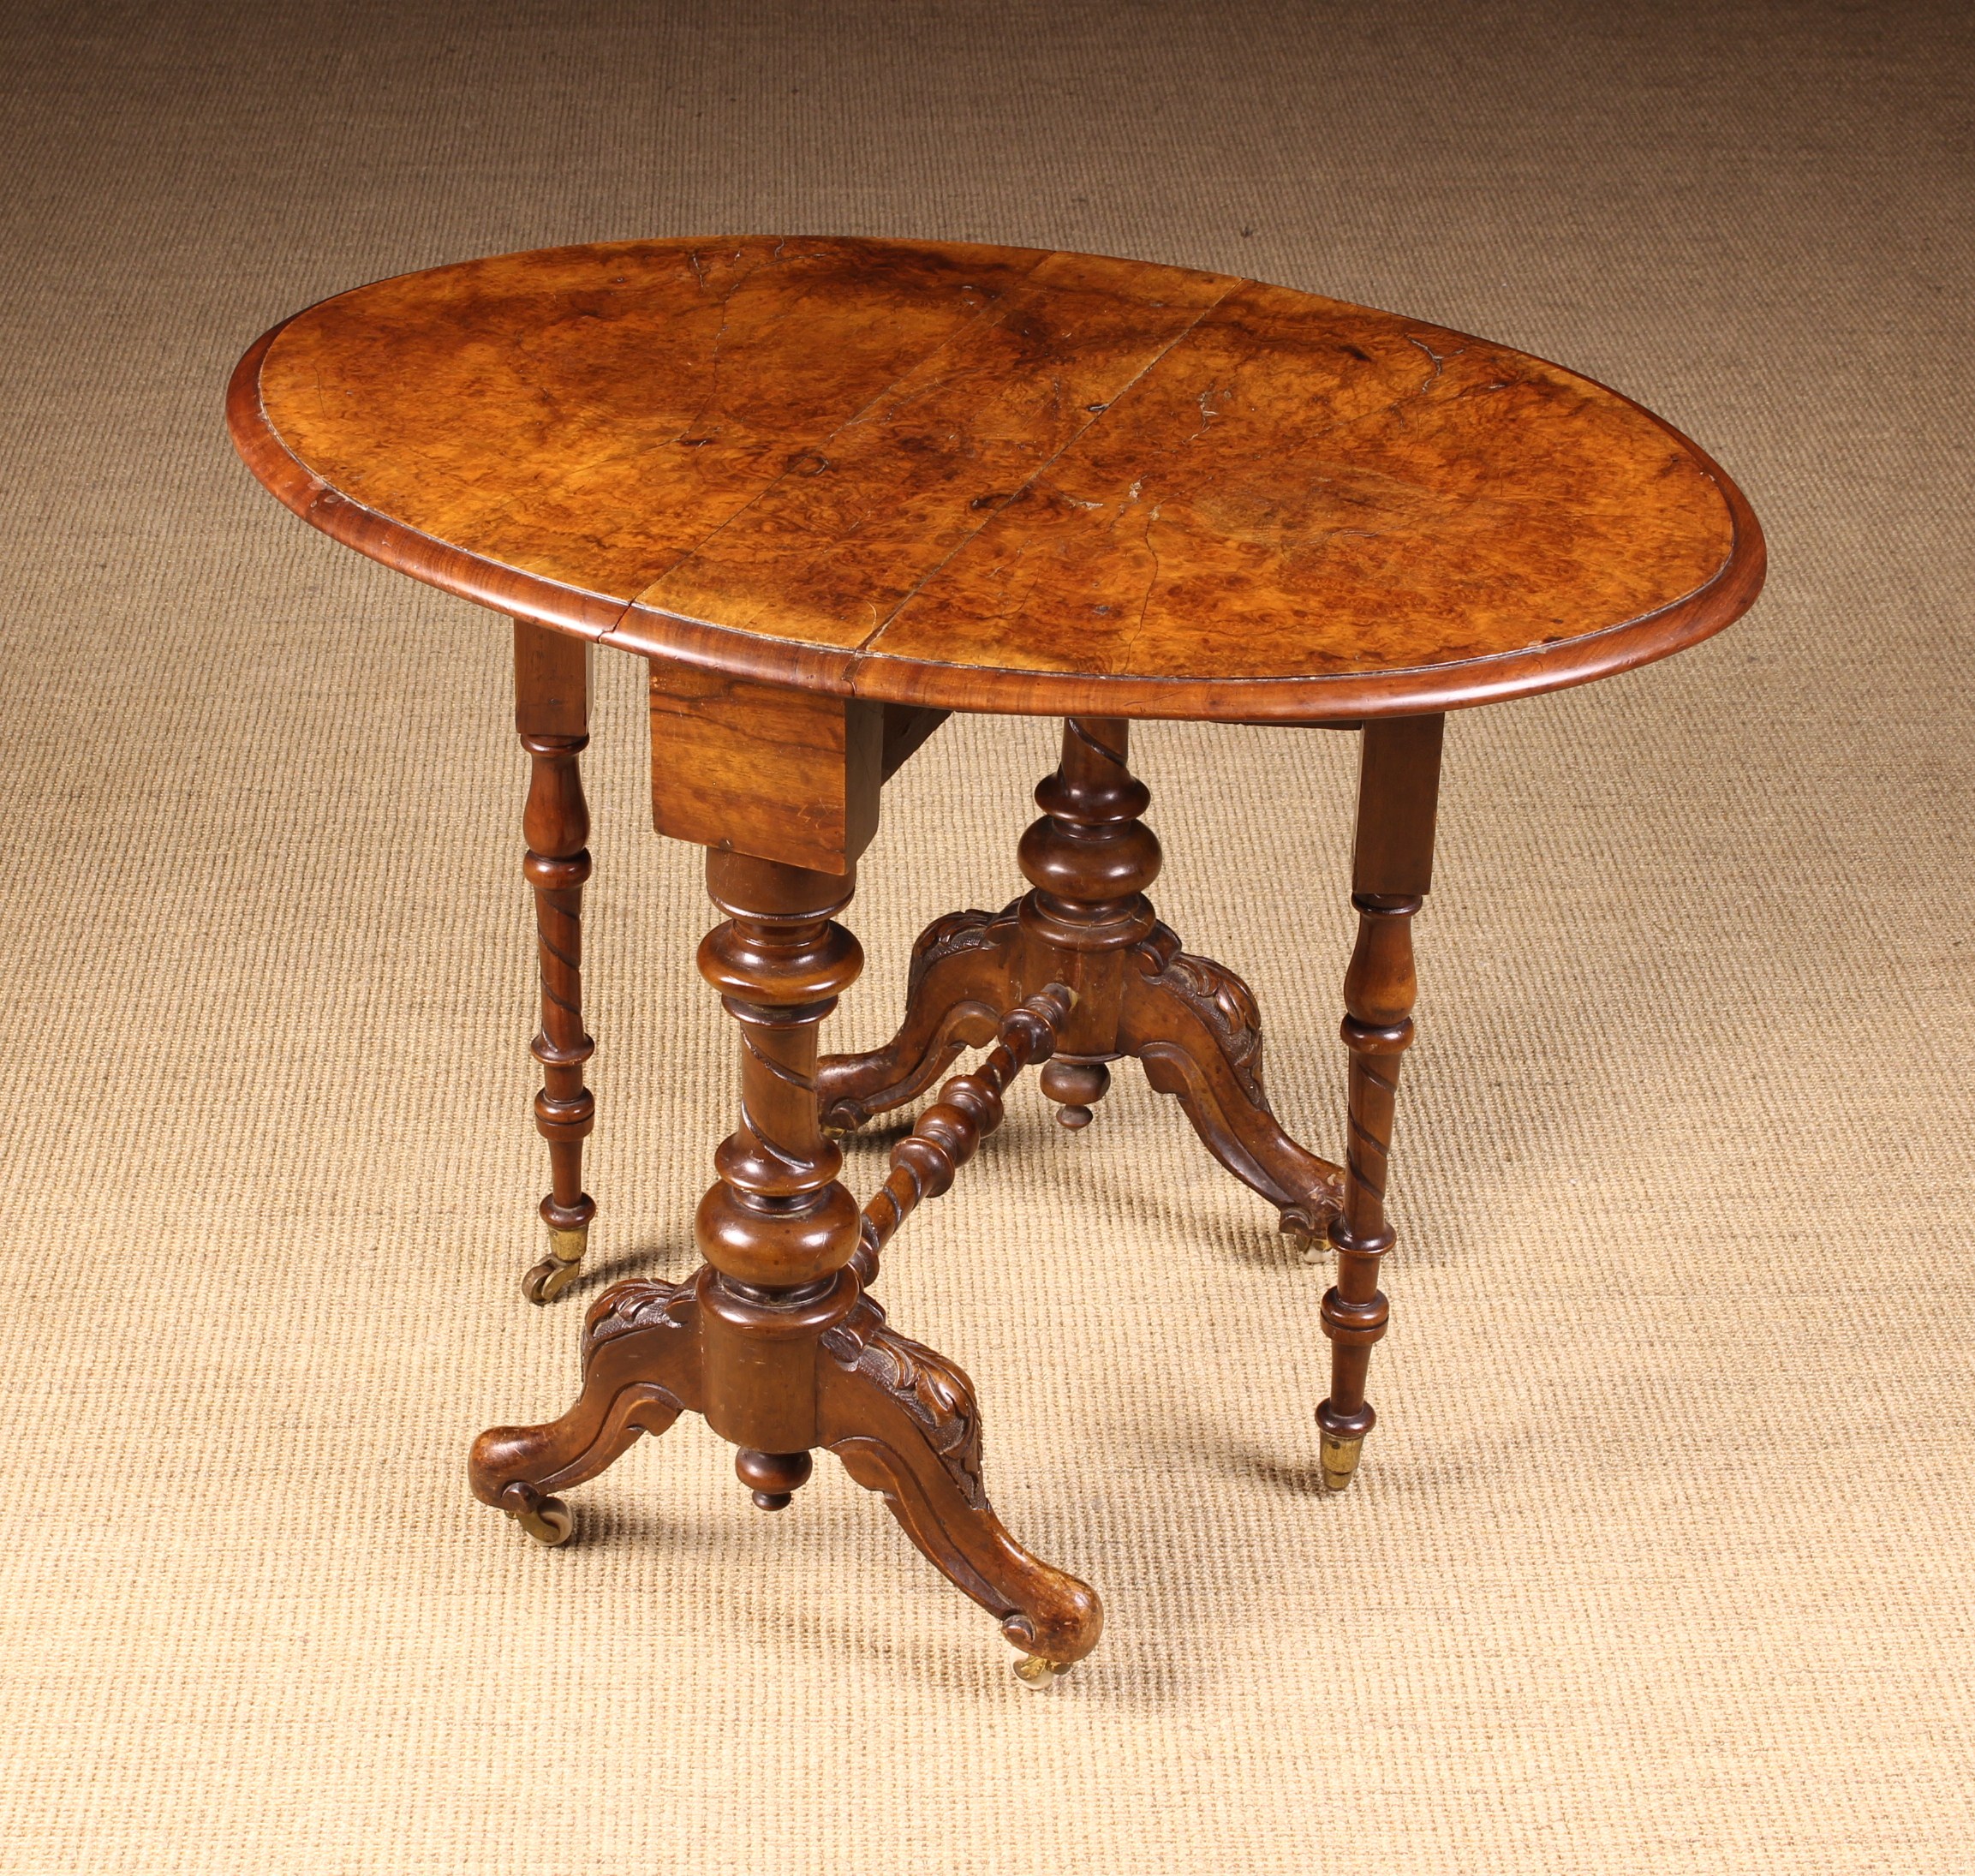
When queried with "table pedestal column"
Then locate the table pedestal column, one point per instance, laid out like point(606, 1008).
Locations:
point(773, 1340)
point(1192, 1023)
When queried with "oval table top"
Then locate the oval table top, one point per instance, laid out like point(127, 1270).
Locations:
point(997, 479)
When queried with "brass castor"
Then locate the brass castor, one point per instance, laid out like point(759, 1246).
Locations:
point(1038, 1675)
point(547, 1280)
point(547, 1521)
point(1076, 1084)
point(1339, 1460)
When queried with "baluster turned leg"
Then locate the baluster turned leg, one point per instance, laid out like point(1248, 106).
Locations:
point(778, 1228)
point(552, 712)
point(1392, 868)
point(1192, 1023)
point(1089, 860)
point(737, 1342)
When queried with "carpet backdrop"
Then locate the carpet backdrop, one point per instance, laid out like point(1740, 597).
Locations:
point(1660, 1559)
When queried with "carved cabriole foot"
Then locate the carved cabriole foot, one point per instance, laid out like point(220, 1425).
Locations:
point(903, 1418)
point(1197, 1028)
point(904, 1422)
point(641, 1370)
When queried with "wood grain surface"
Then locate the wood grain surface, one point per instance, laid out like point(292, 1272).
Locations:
point(997, 479)
point(761, 768)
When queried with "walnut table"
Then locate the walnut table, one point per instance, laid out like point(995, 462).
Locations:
point(832, 490)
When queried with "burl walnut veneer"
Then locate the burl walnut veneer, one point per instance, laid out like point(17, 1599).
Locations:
point(832, 490)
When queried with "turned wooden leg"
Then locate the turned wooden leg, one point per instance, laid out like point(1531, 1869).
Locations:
point(552, 711)
point(739, 1341)
point(796, 1356)
point(778, 1229)
point(1392, 868)
point(957, 990)
point(1088, 860)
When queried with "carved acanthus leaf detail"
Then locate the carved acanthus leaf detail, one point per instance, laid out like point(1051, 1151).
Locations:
point(930, 1388)
point(972, 931)
point(1219, 998)
point(639, 1305)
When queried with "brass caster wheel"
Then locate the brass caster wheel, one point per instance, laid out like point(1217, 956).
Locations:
point(544, 1281)
point(1039, 1676)
point(1339, 1460)
point(547, 1521)
point(547, 1280)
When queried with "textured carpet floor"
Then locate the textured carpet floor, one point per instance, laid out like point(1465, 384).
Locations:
point(1660, 1557)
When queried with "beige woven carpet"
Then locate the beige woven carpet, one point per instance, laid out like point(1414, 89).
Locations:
point(1661, 1558)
